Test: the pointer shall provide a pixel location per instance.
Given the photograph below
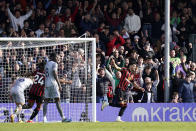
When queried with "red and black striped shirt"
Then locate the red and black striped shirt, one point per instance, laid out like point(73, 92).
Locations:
point(123, 80)
point(38, 84)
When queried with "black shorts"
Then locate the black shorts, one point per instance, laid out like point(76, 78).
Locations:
point(121, 95)
point(38, 99)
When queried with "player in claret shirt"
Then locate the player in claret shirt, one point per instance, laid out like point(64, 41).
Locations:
point(37, 90)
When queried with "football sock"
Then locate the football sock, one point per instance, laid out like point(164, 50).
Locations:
point(122, 110)
point(35, 112)
point(45, 108)
point(60, 109)
point(18, 112)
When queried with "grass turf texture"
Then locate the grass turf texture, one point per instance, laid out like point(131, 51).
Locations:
point(100, 126)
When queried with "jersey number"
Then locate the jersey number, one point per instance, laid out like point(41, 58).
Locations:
point(39, 80)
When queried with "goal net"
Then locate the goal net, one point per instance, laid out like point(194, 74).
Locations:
point(76, 63)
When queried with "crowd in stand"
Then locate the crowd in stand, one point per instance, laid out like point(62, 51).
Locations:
point(129, 34)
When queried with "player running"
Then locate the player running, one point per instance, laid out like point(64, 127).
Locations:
point(37, 90)
point(52, 86)
point(17, 94)
point(121, 96)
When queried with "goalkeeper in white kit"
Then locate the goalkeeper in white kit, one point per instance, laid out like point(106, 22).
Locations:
point(17, 95)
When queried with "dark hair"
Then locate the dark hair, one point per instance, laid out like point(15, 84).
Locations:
point(132, 63)
point(41, 65)
point(189, 74)
point(148, 67)
point(174, 94)
point(17, 10)
point(53, 55)
point(140, 57)
point(100, 69)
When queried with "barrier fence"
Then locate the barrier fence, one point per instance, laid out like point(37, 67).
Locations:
point(185, 112)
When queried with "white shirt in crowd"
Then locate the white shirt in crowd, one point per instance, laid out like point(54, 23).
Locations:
point(149, 97)
point(18, 21)
point(50, 67)
point(132, 23)
point(39, 32)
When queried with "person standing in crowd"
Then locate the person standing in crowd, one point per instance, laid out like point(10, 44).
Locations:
point(18, 20)
point(102, 86)
point(186, 94)
point(132, 23)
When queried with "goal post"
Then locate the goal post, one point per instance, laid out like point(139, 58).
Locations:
point(77, 62)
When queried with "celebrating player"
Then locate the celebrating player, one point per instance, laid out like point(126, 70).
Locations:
point(121, 96)
point(17, 94)
point(37, 90)
point(52, 86)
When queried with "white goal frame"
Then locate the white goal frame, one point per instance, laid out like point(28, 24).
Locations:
point(70, 40)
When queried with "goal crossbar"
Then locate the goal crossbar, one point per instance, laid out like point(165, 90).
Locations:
point(46, 39)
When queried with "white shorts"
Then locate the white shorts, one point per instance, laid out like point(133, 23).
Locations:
point(52, 92)
point(18, 97)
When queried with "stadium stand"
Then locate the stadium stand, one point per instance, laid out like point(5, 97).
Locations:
point(126, 31)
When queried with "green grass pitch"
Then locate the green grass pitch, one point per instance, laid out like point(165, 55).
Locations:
point(100, 126)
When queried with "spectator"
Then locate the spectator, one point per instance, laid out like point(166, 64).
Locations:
point(184, 30)
point(18, 20)
point(180, 66)
point(132, 23)
point(186, 94)
point(175, 98)
point(86, 24)
point(147, 96)
point(114, 43)
point(76, 85)
point(114, 22)
point(147, 51)
point(156, 27)
point(102, 85)
point(40, 31)
point(60, 9)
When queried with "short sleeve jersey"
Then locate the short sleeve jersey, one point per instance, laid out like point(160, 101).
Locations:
point(21, 84)
point(50, 67)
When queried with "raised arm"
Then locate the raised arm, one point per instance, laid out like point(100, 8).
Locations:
point(110, 77)
point(11, 16)
point(25, 17)
point(156, 82)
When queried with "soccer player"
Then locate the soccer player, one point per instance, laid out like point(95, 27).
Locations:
point(17, 94)
point(52, 86)
point(121, 96)
point(37, 90)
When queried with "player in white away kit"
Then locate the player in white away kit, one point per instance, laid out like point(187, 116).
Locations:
point(52, 86)
point(17, 94)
